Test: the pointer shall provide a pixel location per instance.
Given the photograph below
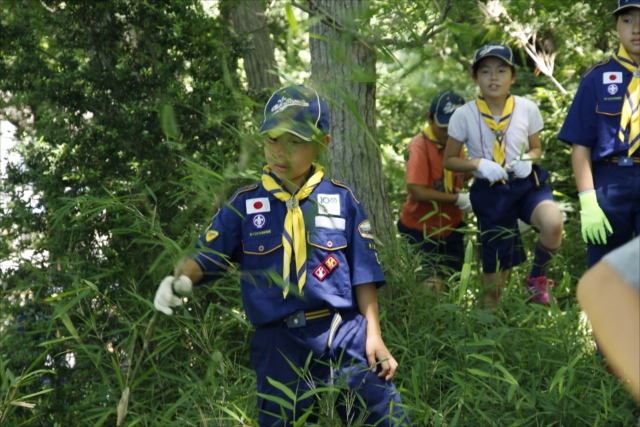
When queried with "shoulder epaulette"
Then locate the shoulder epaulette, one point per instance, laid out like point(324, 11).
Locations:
point(243, 190)
point(343, 185)
point(594, 66)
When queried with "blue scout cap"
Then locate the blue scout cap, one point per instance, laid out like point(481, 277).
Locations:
point(623, 4)
point(498, 50)
point(297, 110)
point(443, 106)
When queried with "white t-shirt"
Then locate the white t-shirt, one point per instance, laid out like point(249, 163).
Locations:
point(468, 126)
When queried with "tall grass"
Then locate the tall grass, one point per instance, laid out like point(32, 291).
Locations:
point(523, 365)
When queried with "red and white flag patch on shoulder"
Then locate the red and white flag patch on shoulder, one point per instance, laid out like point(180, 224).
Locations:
point(612, 77)
point(259, 204)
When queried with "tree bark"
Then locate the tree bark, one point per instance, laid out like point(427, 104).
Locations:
point(250, 22)
point(343, 71)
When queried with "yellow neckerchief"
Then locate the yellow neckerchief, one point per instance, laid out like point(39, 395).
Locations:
point(630, 114)
point(448, 175)
point(294, 231)
point(498, 128)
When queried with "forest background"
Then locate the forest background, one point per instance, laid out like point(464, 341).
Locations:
point(137, 119)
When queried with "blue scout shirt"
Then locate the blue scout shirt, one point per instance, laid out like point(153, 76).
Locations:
point(341, 252)
point(594, 117)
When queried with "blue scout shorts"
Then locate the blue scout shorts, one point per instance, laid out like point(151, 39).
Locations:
point(445, 255)
point(498, 208)
point(618, 192)
point(275, 347)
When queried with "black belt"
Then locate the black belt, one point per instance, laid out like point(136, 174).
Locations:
point(300, 318)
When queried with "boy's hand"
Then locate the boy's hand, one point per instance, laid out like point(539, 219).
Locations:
point(491, 171)
point(464, 203)
point(593, 220)
point(379, 356)
point(166, 294)
point(521, 167)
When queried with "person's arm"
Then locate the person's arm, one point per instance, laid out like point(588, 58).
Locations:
point(452, 159)
point(581, 160)
point(613, 308)
point(424, 194)
point(367, 298)
point(535, 148)
point(191, 269)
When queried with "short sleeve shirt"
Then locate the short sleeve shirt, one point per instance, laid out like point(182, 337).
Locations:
point(626, 262)
point(424, 167)
point(594, 117)
point(468, 126)
point(248, 230)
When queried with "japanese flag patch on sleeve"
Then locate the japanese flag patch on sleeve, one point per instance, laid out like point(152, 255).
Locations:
point(259, 204)
point(612, 77)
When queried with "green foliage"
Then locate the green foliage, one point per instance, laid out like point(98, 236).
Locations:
point(133, 131)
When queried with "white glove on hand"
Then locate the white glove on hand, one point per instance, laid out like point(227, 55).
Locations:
point(464, 203)
point(521, 167)
point(491, 171)
point(165, 296)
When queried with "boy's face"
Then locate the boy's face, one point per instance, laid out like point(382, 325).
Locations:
point(628, 26)
point(290, 157)
point(494, 77)
point(439, 131)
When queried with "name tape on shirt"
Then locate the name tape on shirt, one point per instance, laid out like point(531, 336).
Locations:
point(612, 77)
point(259, 204)
point(329, 204)
point(330, 222)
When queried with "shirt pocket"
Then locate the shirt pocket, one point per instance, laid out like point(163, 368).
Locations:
point(327, 265)
point(608, 113)
point(262, 262)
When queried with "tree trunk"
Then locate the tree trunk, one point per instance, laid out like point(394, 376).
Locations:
point(343, 71)
point(250, 22)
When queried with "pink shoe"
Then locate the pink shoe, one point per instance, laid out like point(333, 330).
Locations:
point(537, 287)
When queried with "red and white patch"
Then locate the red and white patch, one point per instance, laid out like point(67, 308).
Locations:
point(321, 272)
point(612, 77)
point(259, 204)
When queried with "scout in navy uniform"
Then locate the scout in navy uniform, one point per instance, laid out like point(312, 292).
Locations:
point(502, 135)
point(603, 126)
point(310, 272)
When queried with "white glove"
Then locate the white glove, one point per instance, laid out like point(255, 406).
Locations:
point(521, 167)
point(491, 171)
point(165, 296)
point(464, 203)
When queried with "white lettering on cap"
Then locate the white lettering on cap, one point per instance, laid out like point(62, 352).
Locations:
point(284, 103)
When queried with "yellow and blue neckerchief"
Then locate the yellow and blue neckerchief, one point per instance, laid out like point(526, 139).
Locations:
point(630, 114)
point(293, 236)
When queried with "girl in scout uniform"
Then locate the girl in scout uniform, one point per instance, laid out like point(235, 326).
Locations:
point(502, 135)
point(310, 273)
point(603, 127)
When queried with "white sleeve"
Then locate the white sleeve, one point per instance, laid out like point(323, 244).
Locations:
point(535, 119)
point(458, 125)
point(626, 262)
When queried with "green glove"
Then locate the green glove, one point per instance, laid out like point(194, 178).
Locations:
point(593, 219)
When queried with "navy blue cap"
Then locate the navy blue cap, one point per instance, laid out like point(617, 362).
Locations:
point(623, 4)
point(297, 110)
point(443, 106)
point(497, 50)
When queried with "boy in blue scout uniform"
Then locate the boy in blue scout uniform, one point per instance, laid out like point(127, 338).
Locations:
point(502, 134)
point(603, 126)
point(310, 272)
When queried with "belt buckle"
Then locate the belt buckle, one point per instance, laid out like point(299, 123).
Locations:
point(625, 161)
point(296, 320)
